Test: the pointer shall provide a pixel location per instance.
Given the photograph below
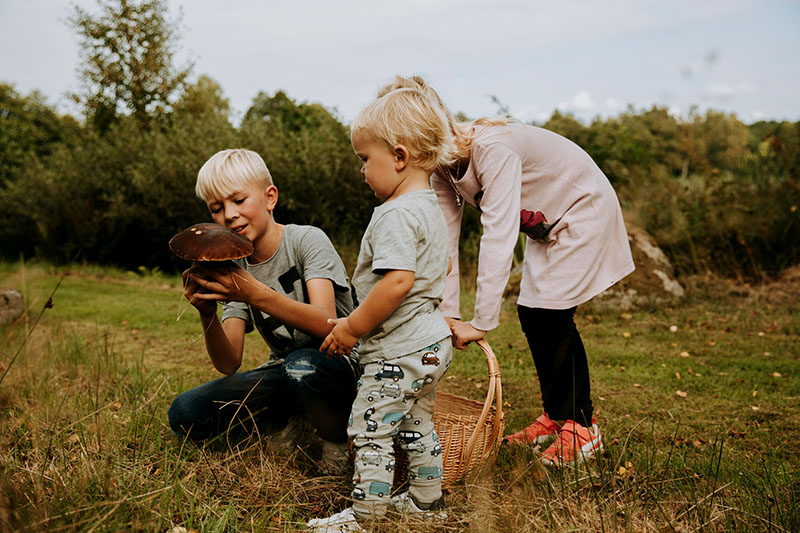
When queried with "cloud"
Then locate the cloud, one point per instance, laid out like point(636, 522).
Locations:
point(612, 104)
point(580, 102)
point(724, 92)
point(675, 111)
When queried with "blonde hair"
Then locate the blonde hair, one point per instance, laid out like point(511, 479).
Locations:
point(407, 116)
point(463, 133)
point(227, 171)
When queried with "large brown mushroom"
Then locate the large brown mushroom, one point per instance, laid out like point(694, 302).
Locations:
point(210, 242)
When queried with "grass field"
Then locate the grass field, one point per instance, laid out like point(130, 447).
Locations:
point(701, 421)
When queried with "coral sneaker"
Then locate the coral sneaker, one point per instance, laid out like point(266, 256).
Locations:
point(543, 431)
point(574, 443)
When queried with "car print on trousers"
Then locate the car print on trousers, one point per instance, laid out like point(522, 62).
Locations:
point(388, 389)
point(379, 488)
point(421, 382)
point(390, 371)
point(426, 472)
point(409, 436)
point(371, 424)
point(417, 447)
point(410, 419)
point(370, 457)
point(392, 418)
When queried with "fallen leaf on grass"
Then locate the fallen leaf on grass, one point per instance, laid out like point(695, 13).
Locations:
point(680, 394)
point(755, 408)
point(506, 404)
point(626, 334)
point(678, 375)
point(776, 374)
point(637, 386)
point(755, 393)
point(626, 316)
point(684, 354)
point(673, 328)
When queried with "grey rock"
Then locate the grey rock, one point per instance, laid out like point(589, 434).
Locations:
point(12, 305)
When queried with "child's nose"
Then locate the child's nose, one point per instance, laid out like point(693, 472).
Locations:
point(231, 212)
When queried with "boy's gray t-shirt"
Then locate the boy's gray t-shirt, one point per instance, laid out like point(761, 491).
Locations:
point(407, 233)
point(304, 253)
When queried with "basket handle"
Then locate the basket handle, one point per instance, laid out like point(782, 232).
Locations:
point(495, 392)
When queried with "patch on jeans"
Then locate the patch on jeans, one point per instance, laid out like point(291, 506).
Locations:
point(298, 370)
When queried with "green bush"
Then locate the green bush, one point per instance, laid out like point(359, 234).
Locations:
point(716, 194)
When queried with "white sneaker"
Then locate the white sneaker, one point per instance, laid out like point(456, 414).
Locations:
point(404, 503)
point(343, 521)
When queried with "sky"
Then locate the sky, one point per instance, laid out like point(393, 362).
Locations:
point(586, 57)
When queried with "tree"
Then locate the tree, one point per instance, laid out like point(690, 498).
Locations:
point(310, 158)
point(128, 50)
point(29, 128)
point(204, 97)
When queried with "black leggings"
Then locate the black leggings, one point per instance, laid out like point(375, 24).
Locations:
point(560, 360)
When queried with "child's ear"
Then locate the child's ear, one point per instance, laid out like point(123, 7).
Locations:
point(271, 197)
point(401, 157)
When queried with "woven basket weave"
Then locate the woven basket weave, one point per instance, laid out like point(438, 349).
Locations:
point(469, 431)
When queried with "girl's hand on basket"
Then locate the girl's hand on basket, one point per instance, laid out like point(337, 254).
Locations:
point(464, 333)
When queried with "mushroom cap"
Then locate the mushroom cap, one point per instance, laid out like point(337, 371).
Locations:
point(210, 242)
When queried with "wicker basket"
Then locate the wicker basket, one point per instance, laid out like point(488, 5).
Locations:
point(469, 431)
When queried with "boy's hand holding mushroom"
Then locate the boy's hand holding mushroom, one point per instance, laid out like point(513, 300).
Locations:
point(223, 282)
point(213, 276)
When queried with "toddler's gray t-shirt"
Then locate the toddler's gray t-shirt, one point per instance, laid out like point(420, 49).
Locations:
point(407, 233)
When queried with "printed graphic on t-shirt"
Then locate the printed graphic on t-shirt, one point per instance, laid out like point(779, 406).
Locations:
point(281, 337)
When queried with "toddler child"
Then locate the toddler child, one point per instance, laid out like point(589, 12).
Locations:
point(405, 346)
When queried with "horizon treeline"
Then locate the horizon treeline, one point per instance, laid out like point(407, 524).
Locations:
point(113, 186)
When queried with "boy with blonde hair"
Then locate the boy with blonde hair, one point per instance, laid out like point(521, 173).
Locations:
point(288, 289)
point(405, 344)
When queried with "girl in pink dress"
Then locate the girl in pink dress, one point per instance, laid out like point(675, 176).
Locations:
point(524, 178)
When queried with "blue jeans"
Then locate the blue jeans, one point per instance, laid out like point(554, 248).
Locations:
point(307, 383)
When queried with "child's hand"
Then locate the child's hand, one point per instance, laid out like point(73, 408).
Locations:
point(464, 333)
point(192, 290)
point(340, 340)
point(227, 282)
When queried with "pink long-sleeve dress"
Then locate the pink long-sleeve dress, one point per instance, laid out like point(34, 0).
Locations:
point(518, 167)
